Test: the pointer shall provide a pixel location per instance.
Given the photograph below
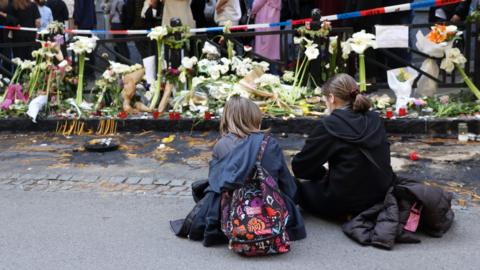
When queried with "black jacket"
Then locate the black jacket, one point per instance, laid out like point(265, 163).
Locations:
point(383, 224)
point(59, 10)
point(352, 183)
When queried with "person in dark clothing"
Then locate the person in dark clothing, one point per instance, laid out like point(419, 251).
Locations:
point(59, 10)
point(84, 15)
point(352, 183)
point(27, 15)
point(133, 20)
point(115, 14)
point(198, 7)
point(452, 13)
point(234, 158)
point(6, 18)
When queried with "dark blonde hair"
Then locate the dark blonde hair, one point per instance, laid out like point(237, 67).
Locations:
point(344, 87)
point(21, 4)
point(241, 117)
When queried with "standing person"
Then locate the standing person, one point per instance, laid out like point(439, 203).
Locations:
point(6, 18)
point(27, 15)
point(233, 160)
point(71, 7)
point(452, 13)
point(267, 11)
point(180, 9)
point(46, 16)
point(132, 19)
point(115, 15)
point(59, 10)
point(84, 15)
point(228, 10)
point(198, 12)
point(352, 183)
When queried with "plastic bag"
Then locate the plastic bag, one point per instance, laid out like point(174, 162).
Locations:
point(402, 90)
point(35, 106)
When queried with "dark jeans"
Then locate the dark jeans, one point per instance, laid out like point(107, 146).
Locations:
point(120, 47)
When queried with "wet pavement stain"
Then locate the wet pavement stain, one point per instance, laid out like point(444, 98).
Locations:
point(441, 161)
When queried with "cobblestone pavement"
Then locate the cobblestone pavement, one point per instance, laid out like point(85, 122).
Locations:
point(156, 164)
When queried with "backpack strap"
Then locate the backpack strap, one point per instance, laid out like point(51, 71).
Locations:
point(264, 144)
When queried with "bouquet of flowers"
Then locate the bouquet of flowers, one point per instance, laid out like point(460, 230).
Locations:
point(434, 44)
point(400, 80)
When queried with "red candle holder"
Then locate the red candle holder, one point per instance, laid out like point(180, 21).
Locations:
point(171, 115)
point(208, 116)
point(122, 115)
point(402, 112)
point(155, 115)
point(177, 116)
point(389, 113)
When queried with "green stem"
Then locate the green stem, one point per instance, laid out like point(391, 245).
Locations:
point(81, 62)
point(156, 95)
point(59, 89)
point(363, 77)
point(17, 74)
point(468, 81)
point(303, 73)
point(300, 70)
point(49, 84)
point(230, 49)
point(100, 99)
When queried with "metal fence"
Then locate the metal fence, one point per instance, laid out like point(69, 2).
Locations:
point(469, 45)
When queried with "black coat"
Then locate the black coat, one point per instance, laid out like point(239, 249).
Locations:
point(59, 10)
point(462, 9)
point(383, 224)
point(352, 183)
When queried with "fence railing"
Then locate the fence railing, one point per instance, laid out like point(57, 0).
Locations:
point(469, 45)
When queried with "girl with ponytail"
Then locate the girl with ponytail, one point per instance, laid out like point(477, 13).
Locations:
point(353, 183)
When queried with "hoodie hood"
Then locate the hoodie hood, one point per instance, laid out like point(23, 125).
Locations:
point(363, 129)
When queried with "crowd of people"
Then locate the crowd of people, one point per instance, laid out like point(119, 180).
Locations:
point(145, 14)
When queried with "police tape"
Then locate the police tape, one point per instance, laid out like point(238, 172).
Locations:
point(335, 17)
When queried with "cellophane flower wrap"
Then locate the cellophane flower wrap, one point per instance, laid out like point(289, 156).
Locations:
point(434, 44)
point(400, 80)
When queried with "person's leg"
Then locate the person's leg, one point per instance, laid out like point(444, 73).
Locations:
point(120, 47)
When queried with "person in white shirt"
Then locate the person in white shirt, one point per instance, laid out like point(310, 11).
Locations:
point(228, 10)
point(46, 16)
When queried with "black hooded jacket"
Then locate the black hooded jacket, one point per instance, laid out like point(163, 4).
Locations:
point(352, 183)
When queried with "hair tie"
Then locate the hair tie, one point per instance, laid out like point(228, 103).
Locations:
point(354, 93)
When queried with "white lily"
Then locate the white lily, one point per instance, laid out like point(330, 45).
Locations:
point(346, 50)
point(188, 63)
point(158, 33)
point(311, 51)
point(453, 57)
point(83, 44)
point(333, 46)
point(361, 41)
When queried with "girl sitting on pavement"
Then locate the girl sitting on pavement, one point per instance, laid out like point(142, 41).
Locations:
point(234, 157)
point(352, 139)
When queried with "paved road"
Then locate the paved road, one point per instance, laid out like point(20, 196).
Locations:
point(64, 208)
point(74, 230)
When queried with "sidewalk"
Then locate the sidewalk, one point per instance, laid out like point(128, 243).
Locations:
point(71, 230)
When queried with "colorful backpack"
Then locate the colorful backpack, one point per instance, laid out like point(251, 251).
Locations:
point(254, 217)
